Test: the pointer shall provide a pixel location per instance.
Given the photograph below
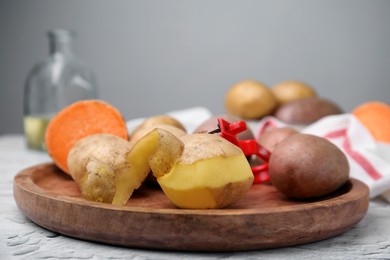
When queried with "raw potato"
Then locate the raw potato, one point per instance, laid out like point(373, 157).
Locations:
point(305, 166)
point(292, 90)
point(212, 124)
point(250, 99)
point(272, 137)
point(141, 132)
point(210, 173)
point(306, 111)
point(158, 120)
point(108, 169)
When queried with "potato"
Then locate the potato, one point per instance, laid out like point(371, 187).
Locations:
point(292, 90)
point(158, 120)
point(212, 124)
point(108, 168)
point(142, 131)
point(271, 138)
point(210, 173)
point(306, 111)
point(250, 99)
point(305, 166)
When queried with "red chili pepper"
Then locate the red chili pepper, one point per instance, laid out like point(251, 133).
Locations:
point(249, 147)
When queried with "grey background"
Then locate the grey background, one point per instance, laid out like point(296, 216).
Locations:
point(156, 56)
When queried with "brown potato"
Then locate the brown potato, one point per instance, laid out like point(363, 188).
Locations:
point(212, 124)
point(141, 132)
point(271, 138)
point(291, 90)
point(306, 111)
point(250, 99)
point(158, 120)
point(306, 166)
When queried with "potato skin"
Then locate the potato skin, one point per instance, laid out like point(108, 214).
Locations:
point(306, 166)
point(306, 111)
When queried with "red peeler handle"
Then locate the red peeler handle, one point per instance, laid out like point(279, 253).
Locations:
point(249, 147)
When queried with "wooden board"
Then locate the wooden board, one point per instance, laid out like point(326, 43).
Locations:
point(262, 219)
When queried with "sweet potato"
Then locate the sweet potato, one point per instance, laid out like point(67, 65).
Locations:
point(375, 116)
point(79, 120)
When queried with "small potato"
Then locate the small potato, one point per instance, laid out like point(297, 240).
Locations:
point(212, 124)
point(291, 90)
point(250, 99)
point(158, 120)
point(306, 111)
point(271, 138)
point(305, 166)
point(141, 132)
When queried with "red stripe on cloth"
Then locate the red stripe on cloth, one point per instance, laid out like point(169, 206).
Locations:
point(361, 160)
point(338, 133)
point(268, 124)
point(357, 157)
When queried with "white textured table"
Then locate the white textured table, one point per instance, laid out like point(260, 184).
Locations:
point(22, 239)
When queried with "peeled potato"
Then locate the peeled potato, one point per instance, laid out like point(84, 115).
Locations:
point(250, 99)
point(291, 90)
point(210, 173)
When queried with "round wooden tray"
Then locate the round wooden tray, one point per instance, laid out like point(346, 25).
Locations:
point(262, 219)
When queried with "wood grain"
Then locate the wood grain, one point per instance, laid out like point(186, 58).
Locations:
point(262, 219)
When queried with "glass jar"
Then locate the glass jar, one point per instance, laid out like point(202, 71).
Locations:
point(53, 84)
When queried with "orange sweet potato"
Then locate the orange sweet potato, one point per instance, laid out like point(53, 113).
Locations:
point(78, 120)
point(375, 116)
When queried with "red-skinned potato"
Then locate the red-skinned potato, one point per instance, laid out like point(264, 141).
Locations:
point(305, 166)
point(306, 111)
point(272, 137)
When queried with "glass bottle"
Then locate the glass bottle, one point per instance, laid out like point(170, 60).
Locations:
point(53, 84)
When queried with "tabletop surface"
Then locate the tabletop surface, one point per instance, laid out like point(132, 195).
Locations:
point(22, 239)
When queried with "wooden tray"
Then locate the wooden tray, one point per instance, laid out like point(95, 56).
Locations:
point(262, 219)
